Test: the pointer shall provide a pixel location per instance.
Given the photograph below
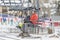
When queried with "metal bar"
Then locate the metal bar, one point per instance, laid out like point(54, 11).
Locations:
point(37, 7)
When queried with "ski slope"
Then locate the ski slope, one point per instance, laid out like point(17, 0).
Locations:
point(6, 35)
point(13, 36)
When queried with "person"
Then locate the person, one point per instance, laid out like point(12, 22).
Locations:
point(34, 17)
point(48, 24)
point(22, 26)
point(27, 19)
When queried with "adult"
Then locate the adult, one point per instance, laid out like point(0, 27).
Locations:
point(34, 17)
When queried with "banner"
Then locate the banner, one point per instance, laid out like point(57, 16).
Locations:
point(56, 24)
point(4, 20)
point(10, 21)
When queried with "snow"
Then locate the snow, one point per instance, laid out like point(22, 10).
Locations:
point(13, 36)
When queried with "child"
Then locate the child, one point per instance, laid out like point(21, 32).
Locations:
point(21, 26)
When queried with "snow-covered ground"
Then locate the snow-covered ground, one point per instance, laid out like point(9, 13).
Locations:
point(6, 35)
point(13, 36)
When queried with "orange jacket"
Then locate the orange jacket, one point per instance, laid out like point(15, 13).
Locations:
point(34, 18)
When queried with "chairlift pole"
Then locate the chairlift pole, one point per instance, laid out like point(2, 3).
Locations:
point(38, 7)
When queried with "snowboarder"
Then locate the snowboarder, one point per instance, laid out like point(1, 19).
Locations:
point(21, 26)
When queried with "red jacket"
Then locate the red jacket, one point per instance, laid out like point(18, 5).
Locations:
point(34, 18)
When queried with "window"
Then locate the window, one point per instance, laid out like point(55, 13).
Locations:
point(4, 10)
